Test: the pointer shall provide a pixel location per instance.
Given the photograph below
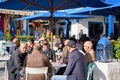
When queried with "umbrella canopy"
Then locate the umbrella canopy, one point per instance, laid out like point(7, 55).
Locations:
point(49, 5)
point(2, 1)
point(111, 2)
point(56, 15)
point(104, 11)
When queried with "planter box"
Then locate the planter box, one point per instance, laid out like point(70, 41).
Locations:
point(106, 71)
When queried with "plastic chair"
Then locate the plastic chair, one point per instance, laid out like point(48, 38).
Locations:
point(90, 71)
point(41, 70)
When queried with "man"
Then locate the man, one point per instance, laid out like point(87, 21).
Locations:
point(15, 63)
point(30, 46)
point(89, 52)
point(16, 44)
point(36, 60)
point(65, 52)
point(64, 57)
point(49, 52)
point(80, 33)
point(36, 33)
point(77, 66)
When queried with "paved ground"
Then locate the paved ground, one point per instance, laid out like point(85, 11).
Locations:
point(2, 70)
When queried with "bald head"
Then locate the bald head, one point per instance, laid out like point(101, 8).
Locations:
point(16, 42)
point(23, 47)
point(66, 42)
point(37, 46)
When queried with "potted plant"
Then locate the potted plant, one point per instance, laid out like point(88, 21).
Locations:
point(116, 49)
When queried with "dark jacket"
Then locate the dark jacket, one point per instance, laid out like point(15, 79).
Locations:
point(15, 64)
point(12, 49)
point(50, 53)
point(77, 66)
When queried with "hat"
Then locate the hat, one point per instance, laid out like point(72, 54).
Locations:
point(71, 44)
point(45, 42)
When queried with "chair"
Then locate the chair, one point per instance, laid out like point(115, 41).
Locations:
point(41, 70)
point(90, 71)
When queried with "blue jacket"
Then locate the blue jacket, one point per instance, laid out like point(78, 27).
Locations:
point(77, 66)
point(12, 49)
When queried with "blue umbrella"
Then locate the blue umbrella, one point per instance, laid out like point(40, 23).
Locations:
point(50, 5)
point(104, 11)
point(111, 2)
point(2, 1)
point(56, 15)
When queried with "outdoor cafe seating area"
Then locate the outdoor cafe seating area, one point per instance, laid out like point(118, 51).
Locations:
point(57, 31)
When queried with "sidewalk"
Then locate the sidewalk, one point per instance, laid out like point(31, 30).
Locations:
point(2, 66)
point(2, 70)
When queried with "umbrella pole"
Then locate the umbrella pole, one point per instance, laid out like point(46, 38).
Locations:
point(51, 28)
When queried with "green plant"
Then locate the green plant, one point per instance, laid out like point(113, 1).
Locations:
point(116, 50)
point(24, 38)
point(7, 37)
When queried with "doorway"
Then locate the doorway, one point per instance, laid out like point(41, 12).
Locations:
point(95, 29)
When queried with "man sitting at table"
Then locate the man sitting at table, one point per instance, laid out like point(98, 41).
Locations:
point(77, 65)
point(49, 52)
point(64, 58)
point(30, 46)
point(36, 60)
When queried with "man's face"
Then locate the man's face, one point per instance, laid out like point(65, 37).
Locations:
point(86, 48)
point(46, 46)
point(68, 48)
point(23, 48)
point(30, 44)
point(15, 43)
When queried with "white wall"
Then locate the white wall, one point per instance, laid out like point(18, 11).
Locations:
point(83, 24)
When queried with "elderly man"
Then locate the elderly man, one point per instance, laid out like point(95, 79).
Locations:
point(89, 52)
point(49, 52)
point(15, 63)
point(77, 66)
point(36, 60)
point(65, 51)
point(16, 44)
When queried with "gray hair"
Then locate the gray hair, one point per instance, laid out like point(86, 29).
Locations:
point(37, 47)
point(89, 44)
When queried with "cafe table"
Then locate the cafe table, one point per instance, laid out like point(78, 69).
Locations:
point(56, 66)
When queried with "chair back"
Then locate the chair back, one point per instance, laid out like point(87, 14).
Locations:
point(41, 70)
point(90, 71)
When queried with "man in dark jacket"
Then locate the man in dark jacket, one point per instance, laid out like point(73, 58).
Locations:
point(16, 44)
point(49, 52)
point(77, 66)
point(15, 63)
point(30, 46)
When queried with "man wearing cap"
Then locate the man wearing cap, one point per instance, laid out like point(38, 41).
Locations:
point(77, 66)
point(49, 52)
